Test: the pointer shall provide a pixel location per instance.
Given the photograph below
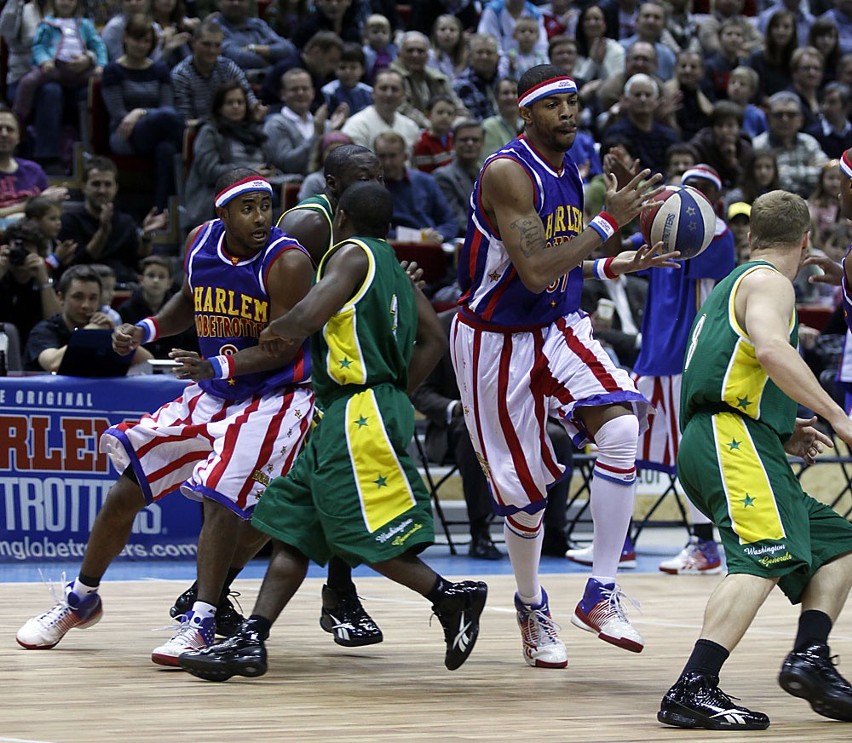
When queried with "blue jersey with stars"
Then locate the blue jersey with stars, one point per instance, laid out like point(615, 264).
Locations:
point(492, 291)
point(231, 301)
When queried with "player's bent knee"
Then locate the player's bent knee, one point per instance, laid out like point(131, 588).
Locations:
point(618, 437)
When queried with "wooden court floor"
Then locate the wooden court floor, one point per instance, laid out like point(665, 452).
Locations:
point(99, 684)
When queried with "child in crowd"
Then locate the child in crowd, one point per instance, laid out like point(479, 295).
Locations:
point(107, 276)
point(739, 219)
point(718, 66)
point(66, 49)
point(823, 203)
point(46, 214)
point(526, 53)
point(760, 176)
point(449, 47)
point(435, 146)
point(379, 49)
point(742, 85)
point(680, 157)
point(348, 88)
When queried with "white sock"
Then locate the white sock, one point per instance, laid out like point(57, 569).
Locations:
point(525, 554)
point(81, 589)
point(202, 610)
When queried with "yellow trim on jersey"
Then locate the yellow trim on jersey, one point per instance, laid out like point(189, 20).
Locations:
point(344, 361)
point(383, 488)
point(751, 500)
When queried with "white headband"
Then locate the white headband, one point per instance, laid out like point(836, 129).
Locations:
point(252, 183)
point(553, 86)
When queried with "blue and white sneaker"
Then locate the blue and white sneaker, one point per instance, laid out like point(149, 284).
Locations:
point(195, 633)
point(46, 630)
point(600, 612)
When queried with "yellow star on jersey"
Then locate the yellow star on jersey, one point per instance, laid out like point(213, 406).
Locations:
point(494, 276)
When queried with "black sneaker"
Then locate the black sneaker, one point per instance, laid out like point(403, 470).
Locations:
point(228, 619)
point(810, 674)
point(459, 610)
point(244, 654)
point(343, 616)
point(696, 701)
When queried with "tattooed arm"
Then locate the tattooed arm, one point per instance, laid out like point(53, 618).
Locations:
point(508, 199)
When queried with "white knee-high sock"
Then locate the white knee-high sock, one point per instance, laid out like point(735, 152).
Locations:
point(613, 492)
point(524, 534)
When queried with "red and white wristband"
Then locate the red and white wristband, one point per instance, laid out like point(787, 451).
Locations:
point(604, 225)
point(602, 269)
point(150, 329)
point(223, 366)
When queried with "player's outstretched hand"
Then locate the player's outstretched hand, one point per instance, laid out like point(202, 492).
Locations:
point(832, 272)
point(192, 366)
point(624, 204)
point(807, 442)
point(415, 273)
point(630, 261)
point(126, 338)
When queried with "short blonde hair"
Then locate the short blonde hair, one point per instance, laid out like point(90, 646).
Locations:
point(779, 219)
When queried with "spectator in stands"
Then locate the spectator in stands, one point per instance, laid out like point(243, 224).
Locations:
point(559, 18)
point(682, 24)
point(719, 64)
point(175, 30)
point(249, 41)
point(680, 157)
point(420, 83)
point(103, 233)
point(803, 18)
point(417, 199)
point(232, 137)
point(806, 68)
point(499, 17)
point(760, 176)
point(383, 115)
point(347, 87)
point(620, 17)
point(649, 139)
point(688, 83)
point(294, 132)
point(448, 54)
point(605, 97)
point(799, 155)
point(456, 179)
point(651, 27)
point(832, 129)
point(476, 86)
point(156, 287)
point(198, 77)
point(710, 28)
point(505, 125)
point(527, 51)
point(79, 292)
point(424, 15)
point(138, 95)
point(26, 288)
point(314, 183)
point(772, 62)
point(599, 57)
point(46, 214)
point(341, 17)
point(824, 38)
point(66, 52)
point(379, 49)
point(113, 32)
point(107, 277)
point(841, 15)
point(18, 22)
point(320, 58)
point(742, 87)
point(722, 144)
point(434, 149)
point(562, 53)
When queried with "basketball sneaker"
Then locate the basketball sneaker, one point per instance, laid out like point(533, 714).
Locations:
point(46, 630)
point(697, 558)
point(228, 619)
point(810, 674)
point(243, 654)
point(696, 701)
point(458, 610)
point(195, 633)
point(600, 612)
point(586, 556)
point(541, 647)
point(344, 617)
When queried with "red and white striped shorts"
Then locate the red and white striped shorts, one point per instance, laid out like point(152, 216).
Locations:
point(658, 445)
point(213, 448)
point(510, 383)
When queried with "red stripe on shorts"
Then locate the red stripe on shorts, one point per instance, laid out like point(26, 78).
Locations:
point(541, 413)
point(229, 444)
point(587, 356)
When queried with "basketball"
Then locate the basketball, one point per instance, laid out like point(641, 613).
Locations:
point(682, 218)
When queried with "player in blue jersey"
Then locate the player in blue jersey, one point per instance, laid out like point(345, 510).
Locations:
point(238, 426)
point(523, 351)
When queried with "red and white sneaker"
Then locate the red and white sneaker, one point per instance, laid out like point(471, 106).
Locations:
point(601, 613)
point(71, 612)
point(542, 647)
point(697, 558)
point(586, 556)
point(195, 633)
